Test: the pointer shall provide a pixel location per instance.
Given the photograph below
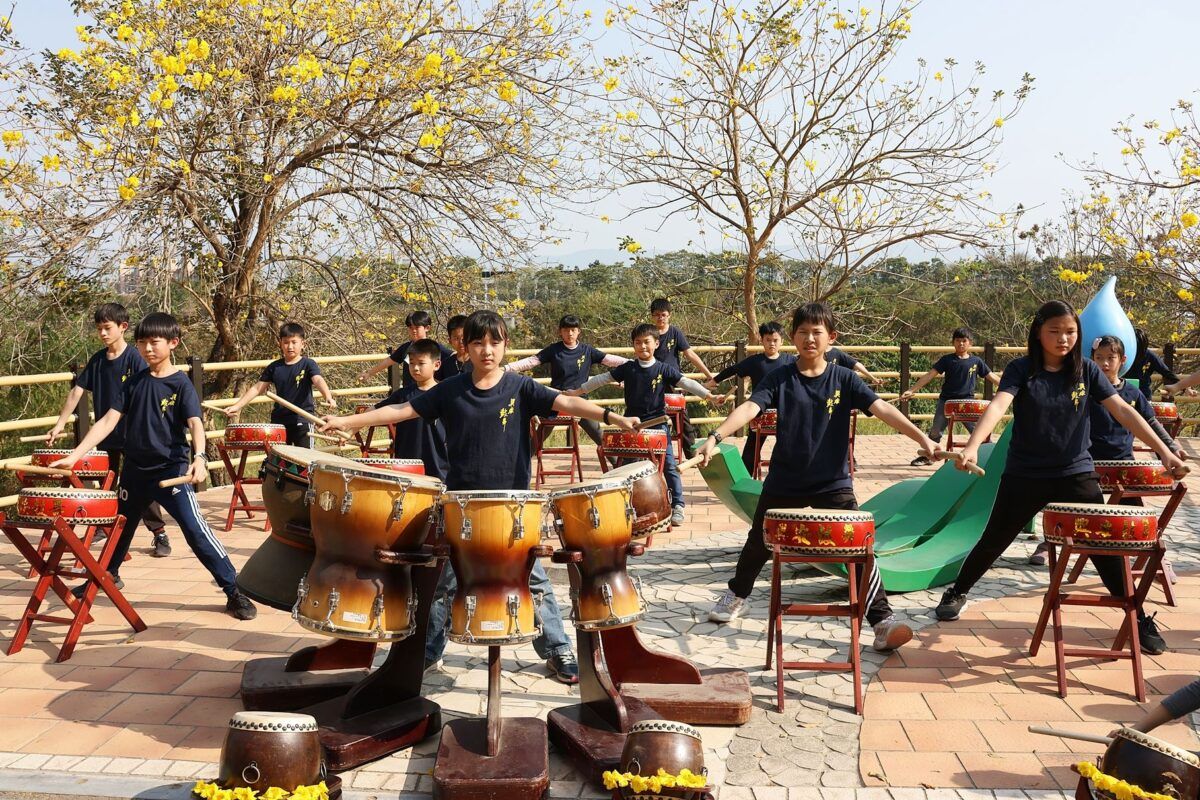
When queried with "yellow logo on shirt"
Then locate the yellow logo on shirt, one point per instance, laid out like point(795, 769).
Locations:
point(655, 383)
point(971, 372)
point(832, 402)
point(167, 403)
point(579, 363)
point(670, 345)
point(1078, 394)
point(300, 376)
point(505, 413)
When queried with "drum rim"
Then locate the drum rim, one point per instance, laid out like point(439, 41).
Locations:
point(1166, 748)
point(1129, 463)
point(1101, 510)
point(241, 426)
point(282, 450)
point(386, 475)
point(65, 452)
point(66, 493)
point(643, 465)
point(972, 400)
point(665, 726)
point(492, 494)
point(408, 462)
point(338, 632)
point(821, 515)
point(72, 520)
point(857, 550)
point(302, 723)
point(603, 483)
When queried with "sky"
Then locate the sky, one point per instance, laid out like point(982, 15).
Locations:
point(1095, 63)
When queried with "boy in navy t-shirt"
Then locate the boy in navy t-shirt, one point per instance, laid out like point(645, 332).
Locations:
point(419, 438)
point(835, 355)
point(672, 342)
point(454, 333)
point(487, 417)
point(106, 372)
point(757, 367)
point(161, 408)
point(293, 378)
point(961, 370)
point(418, 324)
point(570, 362)
point(646, 380)
point(808, 465)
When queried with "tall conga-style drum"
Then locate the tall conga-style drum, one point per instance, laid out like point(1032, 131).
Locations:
point(1135, 475)
point(819, 531)
point(75, 506)
point(356, 512)
point(253, 435)
point(651, 501)
point(634, 444)
point(413, 466)
point(1120, 527)
point(92, 465)
point(492, 535)
point(968, 410)
point(596, 518)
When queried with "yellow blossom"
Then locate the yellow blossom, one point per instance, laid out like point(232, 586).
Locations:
point(999, 123)
point(51, 162)
point(610, 84)
point(242, 792)
point(507, 91)
point(812, 165)
point(268, 178)
point(840, 24)
point(1189, 219)
point(610, 17)
point(937, 76)
point(285, 94)
point(1143, 258)
point(12, 138)
point(1185, 295)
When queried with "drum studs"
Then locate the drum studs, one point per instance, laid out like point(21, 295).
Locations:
point(377, 613)
point(301, 596)
point(514, 607)
point(469, 603)
point(347, 495)
point(334, 598)
point(594, 515)
point(606, 593)
point(310, 495)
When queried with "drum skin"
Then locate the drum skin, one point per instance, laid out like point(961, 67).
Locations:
point(264, 749)
point(675, 402)
point(1122, 527)
point(75, 506)
point(819, 531)
point(651, 501)
point(766, 423)
point(595, 518)
point(253, 435)
point(411, 466)
point(492, 561)
point(969, 409)
point(1151, 764)
point(93, 464)
point(356, 511)
point(634, 444)
point(1167, 411)
point(661, 744)
point(1134, 475)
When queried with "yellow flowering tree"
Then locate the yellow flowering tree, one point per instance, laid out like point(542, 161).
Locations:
point(249, 151)
point(778, 125)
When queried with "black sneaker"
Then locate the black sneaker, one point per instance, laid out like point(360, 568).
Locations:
point(240, 607)
point(564, 668)
point(1148, 636)
point(162, 545)
point(81, 588)
point(920, 461)
point(952, 603)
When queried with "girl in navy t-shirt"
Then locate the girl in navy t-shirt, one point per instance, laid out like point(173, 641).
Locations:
point(1049, 391)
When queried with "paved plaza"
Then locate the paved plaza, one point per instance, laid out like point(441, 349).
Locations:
point(143, 715)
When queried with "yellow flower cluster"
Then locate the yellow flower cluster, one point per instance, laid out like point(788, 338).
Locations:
point(1143, 258)
point(128, 190)
point(1185, 295)
point(1071, 276)
point(1189, 219)
point(654, 783)
point(211, 791)
point(1115, 786)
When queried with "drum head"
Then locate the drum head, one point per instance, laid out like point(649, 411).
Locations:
point(634, 470)
point(492, 496)
point(384, 475)
point(1099, 510)
point(606, 483)
point(278, 721)
point(307, 456)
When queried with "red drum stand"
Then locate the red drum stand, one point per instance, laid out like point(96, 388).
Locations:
point(540, 429)
point(238, 500)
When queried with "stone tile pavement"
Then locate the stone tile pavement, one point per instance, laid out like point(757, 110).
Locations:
point(137, 712)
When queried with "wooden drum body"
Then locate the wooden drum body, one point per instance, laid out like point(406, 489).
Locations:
point(491, 535)
point(356, 511)
point(253, 435)
point(766, 423)
point(263, 749)
point(411, 466)
point(285, 477)
point(651, 502)
point(1135, 475)
point(1150, 764)
point(968, 410)
point(1165, 412)
point(76, 506)
point(1123, 527)
point(596, 518)
point(634, 444)
point(93, 465)
point(819, 531)
point(661, 744)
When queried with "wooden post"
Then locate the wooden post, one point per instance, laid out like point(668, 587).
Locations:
point(739, 352)
point(989, 358)
point(905, 376)
point(1169, 355)
point(83, 411)
point(395, 377)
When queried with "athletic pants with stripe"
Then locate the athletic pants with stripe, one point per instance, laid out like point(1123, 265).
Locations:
point(755, 554)
point(139, 489)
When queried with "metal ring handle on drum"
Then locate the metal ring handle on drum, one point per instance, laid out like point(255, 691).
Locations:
point(635, 766)
point(253, 765)
point(593, 512)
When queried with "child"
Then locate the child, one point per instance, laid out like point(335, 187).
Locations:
point(161, 407)
point(961, 369)
point(293, 377)
point(1183, 700)
point(106, 372)
point(1146, 363)
point(757, 367)
point(569, 363)
point(809, 466)
point(454, 330)
point(646, 380)
point(418, 323)
point(672, 342)
point(1049, 390)
point(840, 357)
point(418, 438)
point(487, 440)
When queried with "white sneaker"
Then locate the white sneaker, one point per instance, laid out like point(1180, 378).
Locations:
point(890, 634)
point(677, 515)
point(729, 607)
point(433, 666)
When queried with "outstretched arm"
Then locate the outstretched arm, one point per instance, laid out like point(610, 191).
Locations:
point(891, 415)
point(695, 358)
point(1123, 413)
point(578, 407)
point(908, 393)
point(95, 435)
point(248, 395)
point(73, 398)
point(386, 415)
point(323, 388)
point(736, 419)
point(377, 368)
point(524, 365)
point(983, 429)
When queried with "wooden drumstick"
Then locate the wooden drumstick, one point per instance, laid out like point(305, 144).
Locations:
point(650, 423)
point(300, 412)
point(1082, 737)
point(691, 462)
point(169, 482)
point(214, 407)
point(32, 439)
point(34, 469)
point(944, 455)
point(325, 438)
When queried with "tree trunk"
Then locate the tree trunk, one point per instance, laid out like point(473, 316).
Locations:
point(748, 295)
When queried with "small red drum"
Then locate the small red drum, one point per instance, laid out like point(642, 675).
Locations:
point(92, 464)
point(766, 423)
point(1168, 411)
point(1134, 476)
point(819, 531)
point(634, 444)
point(362, 408)
point(76, 506)
point(1124, 527)
point(413, 466)
point(675, 402)
point(253, 435)
point(968, 410)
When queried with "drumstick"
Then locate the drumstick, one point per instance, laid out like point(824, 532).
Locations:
point(214, 407)
point(691, 462)
point(325, 438)
point(1083, 737)
point(943, 455)
point(300, 412)
point(31, 439)
point(34, 469)
point(169, 482)
point(649, 423)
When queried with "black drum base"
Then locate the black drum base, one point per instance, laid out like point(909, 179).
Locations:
point(354, 741)
point(520, 770)
point(310, 675)
point(721, 698)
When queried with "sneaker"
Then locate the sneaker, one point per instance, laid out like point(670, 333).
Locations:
point(162, 545)
point(564, 668)
point(952, 604)
point(1169, 571)
point(1040, 555)
point(81, 588)
point(729, 607)
point(890, 634)
point(240, 607)
point(433, 666)
point(1148, 636)
point(677, 515)
point(920, 461)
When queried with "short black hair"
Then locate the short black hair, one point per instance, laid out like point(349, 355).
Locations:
point(159, 325)
point(1113, 342)
point(645, 329)
point(659, 304)
point(111, 312)
point(963, 333)
point(482, 324)
point(770, 327)
point(814, 314)
point(421, 318)
point(290, 329)
point(425, 347)
point(456, 323)
point(570, 321)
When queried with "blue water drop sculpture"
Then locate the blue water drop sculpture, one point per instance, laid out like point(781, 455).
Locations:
point(1105, 317)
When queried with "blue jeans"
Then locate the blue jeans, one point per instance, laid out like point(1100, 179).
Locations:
point(553, 640)
point(671, 472)
point(939, 422)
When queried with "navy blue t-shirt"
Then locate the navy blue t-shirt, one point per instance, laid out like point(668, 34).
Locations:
point(418, 438)
point(448, 369)
point(1112, 441)
point(1146, 366)
point(813, 439)
point(487, 430)
point(840, 357)
point(293, 382)
point(156, 412)
point(104, 378)
point(959, 375)
point(670, 345)
point(756, 367)
point(1051, 434)
point(569, 367)
point(646, 387)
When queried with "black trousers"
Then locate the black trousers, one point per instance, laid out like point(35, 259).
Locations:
point(755, 554)
point(1018, 500)
point(299, 433)
point(153, 514)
